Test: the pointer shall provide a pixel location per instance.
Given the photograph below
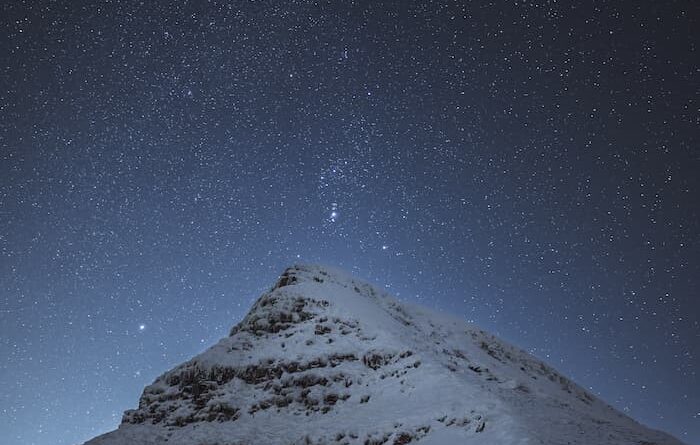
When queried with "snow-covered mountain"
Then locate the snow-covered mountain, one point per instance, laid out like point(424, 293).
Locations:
point(323, 358)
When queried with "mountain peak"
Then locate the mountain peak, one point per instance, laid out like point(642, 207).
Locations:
point(313, 273)
point(300, 292)
point(324, 358)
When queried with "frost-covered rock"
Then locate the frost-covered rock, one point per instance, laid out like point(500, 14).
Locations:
point(323, 358)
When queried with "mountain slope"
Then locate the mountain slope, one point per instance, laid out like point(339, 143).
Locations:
point(323, 358)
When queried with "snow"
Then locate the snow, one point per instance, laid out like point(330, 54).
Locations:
point(326, 358)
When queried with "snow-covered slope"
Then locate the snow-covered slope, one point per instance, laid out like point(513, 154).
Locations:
point(324, 358)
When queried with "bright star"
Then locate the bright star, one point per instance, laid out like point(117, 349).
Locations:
point(142, 327)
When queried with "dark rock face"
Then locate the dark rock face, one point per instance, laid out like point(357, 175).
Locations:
point(190, 393)
point(281, 315)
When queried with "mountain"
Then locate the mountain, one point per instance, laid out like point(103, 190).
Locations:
point(324, 358)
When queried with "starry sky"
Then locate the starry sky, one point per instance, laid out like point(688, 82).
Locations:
point(531, 166)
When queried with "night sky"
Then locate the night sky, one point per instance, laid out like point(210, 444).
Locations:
point(532, 167)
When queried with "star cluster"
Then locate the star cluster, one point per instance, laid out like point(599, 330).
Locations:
point(528, 166)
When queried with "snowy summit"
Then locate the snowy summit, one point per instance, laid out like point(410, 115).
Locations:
point(324, 358)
